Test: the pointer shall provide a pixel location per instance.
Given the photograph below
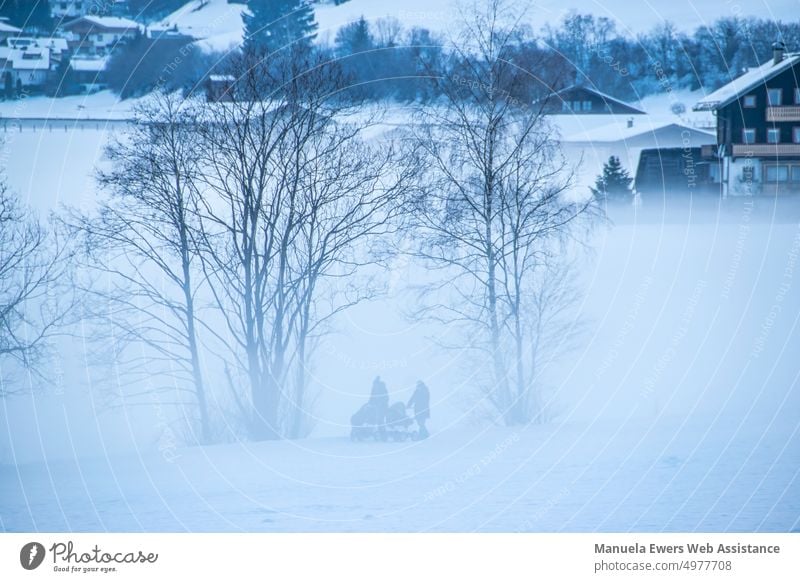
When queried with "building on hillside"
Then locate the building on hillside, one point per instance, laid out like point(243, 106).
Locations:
point(64, 10)
point(588, 141)
point(8, 32)
point(99, 35)
point(220, 88)
point(758, 127)
point(89, 74)
point(70, 9)
point(585, 100)
point(24, 70)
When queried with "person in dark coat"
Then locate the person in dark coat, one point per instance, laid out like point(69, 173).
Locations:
point(379, 400)
point(420, 401)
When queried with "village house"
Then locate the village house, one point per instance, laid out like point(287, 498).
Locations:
point(64, 10)
point(758, 127)
point(585, 100)
point(593, 126)
point(24, 69)
point(99, 35)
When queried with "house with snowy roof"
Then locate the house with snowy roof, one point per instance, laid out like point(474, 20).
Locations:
point(586, 100)
point(758, 127)
point(588, 141)
point(63, 10)
point(99, 35)
point(24, 69)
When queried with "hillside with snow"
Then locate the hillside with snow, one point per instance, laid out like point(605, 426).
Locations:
point(219, 23)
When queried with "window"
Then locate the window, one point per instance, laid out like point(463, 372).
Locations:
point(749, 101)
point(587, 105)
point(774, 97)
point(796, 134)
point(795, 173)
point(797, 96)
point(777, 173)
point(774, 135)
point(748, 135)
point(576, 105)
point(565, 106)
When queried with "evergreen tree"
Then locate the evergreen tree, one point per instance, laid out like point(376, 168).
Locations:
point(273, 25)
point(614, 183)
point(28, 14)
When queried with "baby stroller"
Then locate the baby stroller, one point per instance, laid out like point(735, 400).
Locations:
point(398, 423)
point(365, 424)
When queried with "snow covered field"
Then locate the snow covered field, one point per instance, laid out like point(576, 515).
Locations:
point(670, 474)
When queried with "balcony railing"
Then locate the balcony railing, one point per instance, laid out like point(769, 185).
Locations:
point(786, 113)
point(766, 149)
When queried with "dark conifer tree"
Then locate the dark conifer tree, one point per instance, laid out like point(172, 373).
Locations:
point(614, 183)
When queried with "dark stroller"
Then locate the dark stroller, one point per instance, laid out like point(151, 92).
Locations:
point(366, 424)
point(398, 423)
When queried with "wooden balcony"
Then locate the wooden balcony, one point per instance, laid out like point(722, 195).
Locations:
point(785, 113)
point(766, 150)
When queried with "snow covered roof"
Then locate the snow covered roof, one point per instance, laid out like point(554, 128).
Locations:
point(614, 133)
point(615, 128)
point(604, 96)
point(106, 22)
point(95, 65)
point(751, 79)
point(31, 59)
point(6, 27)
point(57, 45)
point(54, 44)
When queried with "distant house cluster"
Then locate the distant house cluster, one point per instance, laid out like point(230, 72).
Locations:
point(593, 127)
point(76, 54)
point(747, 144)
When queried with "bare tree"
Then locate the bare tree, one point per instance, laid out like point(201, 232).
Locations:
point(36, 300)
point(141, 240)
point(497, 201)
point(294, 199)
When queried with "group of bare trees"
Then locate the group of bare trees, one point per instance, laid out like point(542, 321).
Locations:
point(243, 226)
point(229, 235)
point(36, 299)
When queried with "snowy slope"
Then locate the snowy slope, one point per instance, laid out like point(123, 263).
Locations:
point(220, 25)
point(216, 22)
point(441, 14)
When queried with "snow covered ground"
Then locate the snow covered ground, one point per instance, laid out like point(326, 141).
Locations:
point(672, 474)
